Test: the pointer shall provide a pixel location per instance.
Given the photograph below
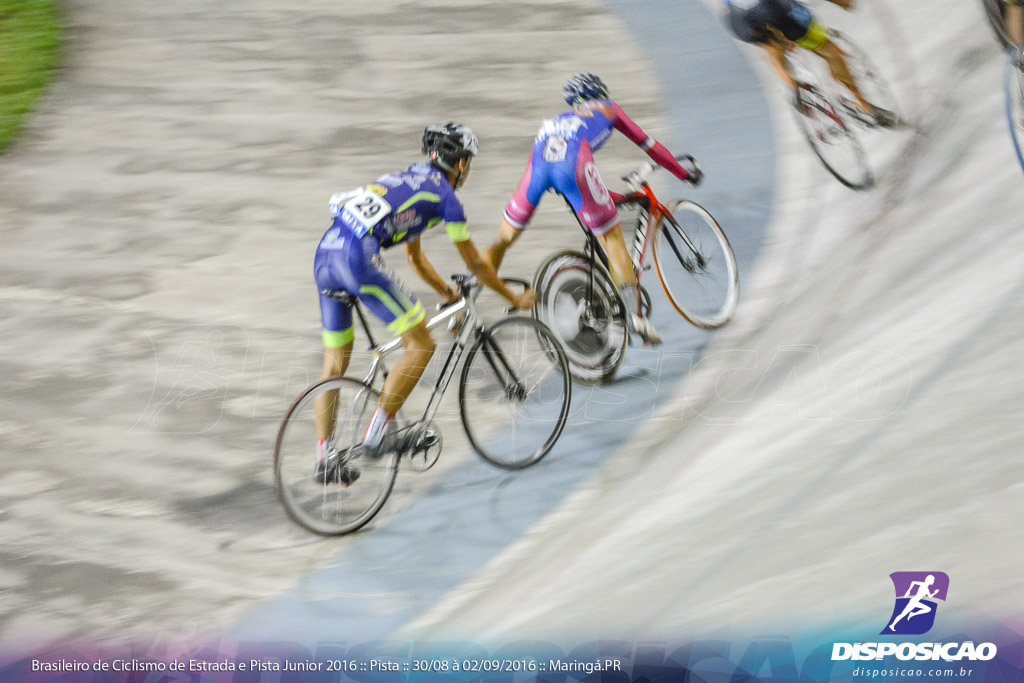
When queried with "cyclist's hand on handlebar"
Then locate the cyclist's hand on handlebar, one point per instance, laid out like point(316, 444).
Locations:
point(451, 296)
point(696, 176)
point(525, 300)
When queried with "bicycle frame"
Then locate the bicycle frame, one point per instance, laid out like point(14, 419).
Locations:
point(472, 327)
point(652, 212)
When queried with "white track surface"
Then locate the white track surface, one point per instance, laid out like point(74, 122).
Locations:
point(860, 416)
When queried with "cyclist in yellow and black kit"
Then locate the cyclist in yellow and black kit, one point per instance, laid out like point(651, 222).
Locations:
point(766, 22)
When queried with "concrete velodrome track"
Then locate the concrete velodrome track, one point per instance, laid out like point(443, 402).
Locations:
point(158, 219)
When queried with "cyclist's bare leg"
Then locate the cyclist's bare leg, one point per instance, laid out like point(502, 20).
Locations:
point(507, 235)
point(777, 53)
point(625, 281)
point(1015, 24)
point(325, 404)
point(618, 257)
point(419, 348)
point(831, 53)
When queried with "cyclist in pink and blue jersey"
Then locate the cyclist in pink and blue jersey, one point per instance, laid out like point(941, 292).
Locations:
point(563, 161)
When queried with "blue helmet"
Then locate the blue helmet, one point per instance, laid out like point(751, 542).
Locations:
point(584, 87)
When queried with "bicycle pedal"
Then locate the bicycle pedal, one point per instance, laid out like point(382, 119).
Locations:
point(426, 451)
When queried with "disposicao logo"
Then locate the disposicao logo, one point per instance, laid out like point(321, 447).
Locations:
point(913, 615)
point(916, 593)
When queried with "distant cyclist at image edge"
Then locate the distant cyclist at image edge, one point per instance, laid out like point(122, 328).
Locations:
point(562, 159)
point(761, 21)
point(1013, 17)
point(395, 209)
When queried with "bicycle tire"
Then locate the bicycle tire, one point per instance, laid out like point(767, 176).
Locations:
point(1013, 92)
point(325, 508)
point(826, 131)
point(515, 369)
point(873, 86)
point(692, 279)
point(595, 335)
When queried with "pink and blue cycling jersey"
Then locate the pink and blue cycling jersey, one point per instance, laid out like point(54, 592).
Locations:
point(563, 160)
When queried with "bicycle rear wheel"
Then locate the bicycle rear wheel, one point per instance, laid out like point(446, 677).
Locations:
point(696, 266)
point(514, 392)
point(309, 492)
point(1013, 89)
point(831, 138)
point(591, 328)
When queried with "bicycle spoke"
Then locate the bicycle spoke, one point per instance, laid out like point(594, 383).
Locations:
point(345, 491)
point(514, 392)
point(696, 266)
point(831, 139)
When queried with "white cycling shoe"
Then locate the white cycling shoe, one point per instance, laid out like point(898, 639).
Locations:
point(644, 328)
point(638, 324)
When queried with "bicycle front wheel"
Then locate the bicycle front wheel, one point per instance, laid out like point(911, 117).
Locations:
point(832, 139)
point(696, 266)
point(514, 392)
point(585, 313)
point(343, 493)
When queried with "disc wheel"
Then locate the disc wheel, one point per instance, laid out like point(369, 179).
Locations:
point(347, 490)
point(514, 392)
point(592, 329)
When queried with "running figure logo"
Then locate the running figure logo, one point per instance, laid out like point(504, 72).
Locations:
point(916, 593)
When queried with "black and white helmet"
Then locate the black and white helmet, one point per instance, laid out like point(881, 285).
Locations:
point(446, 143)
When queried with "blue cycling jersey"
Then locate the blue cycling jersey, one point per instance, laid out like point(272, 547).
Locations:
point(399, 206)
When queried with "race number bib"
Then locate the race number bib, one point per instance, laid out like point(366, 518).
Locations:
point(554, 149)
point(364, 211)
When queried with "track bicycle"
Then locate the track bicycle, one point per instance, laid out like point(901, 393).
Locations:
point(827, 114)
point(696, 267)
point(514, 394)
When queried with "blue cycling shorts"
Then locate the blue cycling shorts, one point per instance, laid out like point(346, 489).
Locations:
point(346, 262)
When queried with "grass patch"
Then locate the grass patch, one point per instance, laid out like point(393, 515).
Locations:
point(28, 55)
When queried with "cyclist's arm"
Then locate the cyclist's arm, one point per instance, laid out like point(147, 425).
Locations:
point(423, 267)
point(485, 272)
point(655, 150)
point(845, 4)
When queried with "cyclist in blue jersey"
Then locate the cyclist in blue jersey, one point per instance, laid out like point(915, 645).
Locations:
point(773, 24)
point(394, 209)
point(563, 160)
